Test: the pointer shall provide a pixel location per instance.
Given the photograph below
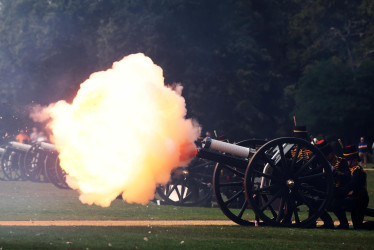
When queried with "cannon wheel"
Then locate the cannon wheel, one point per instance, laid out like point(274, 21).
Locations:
point(280, 185)
point(33, 166)
point(190, 186)
point(53, 171)
point(228, 184)
point(10, 165)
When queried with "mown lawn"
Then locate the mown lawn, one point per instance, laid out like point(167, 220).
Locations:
point(182, 237)
point(42, 201)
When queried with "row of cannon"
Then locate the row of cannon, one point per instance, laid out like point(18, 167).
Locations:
point(283, 182)
point(39, 162)
point(36, 162)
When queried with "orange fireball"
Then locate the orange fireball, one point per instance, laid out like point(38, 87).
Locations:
point(123, 133)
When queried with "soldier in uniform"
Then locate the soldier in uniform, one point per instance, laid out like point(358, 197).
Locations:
point(342, 177)
point(301, 133)
point(358, 198)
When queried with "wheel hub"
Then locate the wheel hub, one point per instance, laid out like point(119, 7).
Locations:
point(290, 183)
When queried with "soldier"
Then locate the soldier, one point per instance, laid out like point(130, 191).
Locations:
point(342, 176)
point(301, 133)
point(22, 137)
point(358, 198)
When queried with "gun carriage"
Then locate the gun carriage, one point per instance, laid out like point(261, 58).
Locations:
point(189, 186)
point(283, 182)
point(13, 154)
point(42, 164)
point(37, 162)
point(53, 171)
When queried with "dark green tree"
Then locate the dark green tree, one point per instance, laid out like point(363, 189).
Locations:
point(333, 51)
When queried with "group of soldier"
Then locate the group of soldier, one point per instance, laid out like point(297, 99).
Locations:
point(350, 192)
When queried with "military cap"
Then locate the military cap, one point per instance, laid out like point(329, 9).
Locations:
point(324, 147)
point(350, 152)
point(300, 132)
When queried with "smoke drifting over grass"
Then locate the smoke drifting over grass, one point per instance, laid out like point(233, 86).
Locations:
point(123, 133)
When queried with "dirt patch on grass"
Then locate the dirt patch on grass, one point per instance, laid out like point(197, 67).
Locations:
point(124, 223)
point(119, 223)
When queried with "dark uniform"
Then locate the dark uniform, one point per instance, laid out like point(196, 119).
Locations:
point(342, 178)
point(301, 133)
point(358, 198)
point(341, 175)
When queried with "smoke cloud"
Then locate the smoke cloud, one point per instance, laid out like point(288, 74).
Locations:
point(123, 133)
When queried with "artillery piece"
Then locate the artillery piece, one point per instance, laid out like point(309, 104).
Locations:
point(13, 154)
point(37, 162)
point(33, 165)
point(283, 182)
point(189, 186)
point(41, 163)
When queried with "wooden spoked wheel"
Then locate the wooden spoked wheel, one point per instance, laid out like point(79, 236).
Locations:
point(190, 186)
point(33, 166)
point(229, 191)
point(10, 165)
point(288, 182)
point(53, 171)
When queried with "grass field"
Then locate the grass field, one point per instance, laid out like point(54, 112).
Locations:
point(42, 201)
point(183, 237)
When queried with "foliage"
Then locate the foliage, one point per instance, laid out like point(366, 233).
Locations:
point(331, 92)
point(334, 43)
point(246, 65)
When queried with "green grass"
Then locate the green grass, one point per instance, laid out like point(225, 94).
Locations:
point(182, 237)
point(43, 201)
point(370, 187)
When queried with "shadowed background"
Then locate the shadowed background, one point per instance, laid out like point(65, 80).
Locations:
point(247, 66)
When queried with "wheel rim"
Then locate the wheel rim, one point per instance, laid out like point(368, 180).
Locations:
point(286, 189)
point(228, 183)
point(189, 186)
point(33, 164)
point(54, 172)
point(9, 164)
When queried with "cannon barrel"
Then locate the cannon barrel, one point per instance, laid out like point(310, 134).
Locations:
point(225, 153)
point(47, 146)
point(229, 148)
point(2, 151)
point(19, 146)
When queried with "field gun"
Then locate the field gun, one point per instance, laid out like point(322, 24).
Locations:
point(41, 163)
point(283, 182)
point(36, 162)
point(189, 186)
point(13, 154)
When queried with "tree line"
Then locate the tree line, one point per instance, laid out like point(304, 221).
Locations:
point(247, 66)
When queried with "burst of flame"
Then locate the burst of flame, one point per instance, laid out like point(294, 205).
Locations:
point(123, 133)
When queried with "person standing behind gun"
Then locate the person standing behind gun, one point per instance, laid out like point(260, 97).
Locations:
point(42, 137)
point(342, 177)
point(362, 150)
point(34, 135)
point(22, 137)
point(358, 198)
